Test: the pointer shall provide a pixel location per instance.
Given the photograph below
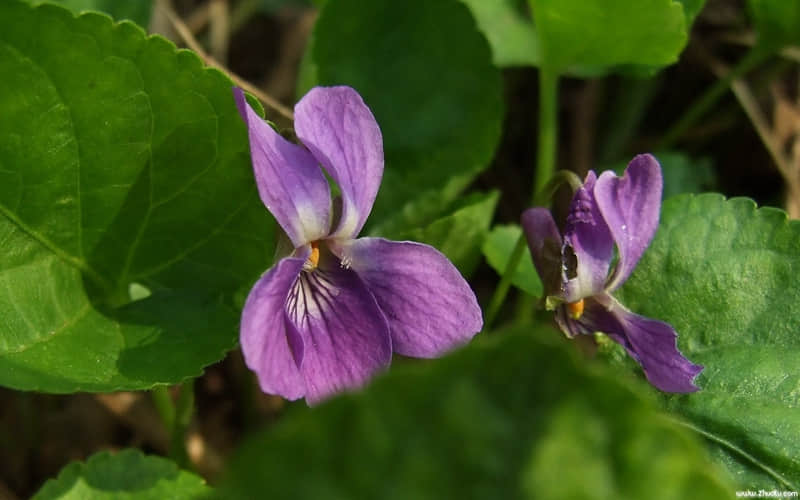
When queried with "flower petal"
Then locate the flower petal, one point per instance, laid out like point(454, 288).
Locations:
point(652, 343)
point(289, 181)
point(630, 206)
point(429, 306)
point(544, 242)
point(586, 235)
point(342, 134)
point(345, 335)
point(264, 337)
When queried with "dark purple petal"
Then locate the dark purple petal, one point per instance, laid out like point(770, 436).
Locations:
point(586, 235)
point(630, 206)
point(544, 242)
point(429, 306)
point(264, 337)
point(290, 182)
point(340, 131)
point(345, 335)
point(652, 343)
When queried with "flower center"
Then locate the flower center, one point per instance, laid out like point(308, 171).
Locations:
point(575, 309)
point(313, 259)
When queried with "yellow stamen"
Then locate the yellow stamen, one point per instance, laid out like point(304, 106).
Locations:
point(313, 259)
point(575, 309)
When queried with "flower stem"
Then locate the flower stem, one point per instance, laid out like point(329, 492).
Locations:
point(548, 129)
point(164, 405)
point(545, 168)
point(184, 411)
point(176, 417)
point(505, 283)
point(704, 103)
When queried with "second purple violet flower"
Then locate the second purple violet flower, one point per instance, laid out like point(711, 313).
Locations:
point(576, 268)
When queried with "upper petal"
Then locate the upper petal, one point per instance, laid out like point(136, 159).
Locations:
point(587, 236)
point(630, 206)
point(430, 307)
point(264, 337)
point(345, 336)
point(544, 242)
point(340, 131)
point(289, 181)
point(652, 343)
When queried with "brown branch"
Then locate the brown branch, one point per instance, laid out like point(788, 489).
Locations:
point(794, 204)
point(219, 26)
point(753, 111)
point(191, 42)
point(748, 39)
point(198, 19)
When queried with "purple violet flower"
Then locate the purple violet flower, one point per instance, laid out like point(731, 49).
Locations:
point(577, 275)
point(327, 317)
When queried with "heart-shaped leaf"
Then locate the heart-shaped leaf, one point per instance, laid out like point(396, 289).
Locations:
point(128, 475)
point(725, 276)
point(123, 162)
point(602, 34)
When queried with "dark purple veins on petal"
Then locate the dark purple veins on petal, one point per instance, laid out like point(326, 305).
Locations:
point(344, 334)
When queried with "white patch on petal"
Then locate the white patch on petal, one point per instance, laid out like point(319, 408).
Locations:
point(311, 296)
point(309, 224)
point(349, 223)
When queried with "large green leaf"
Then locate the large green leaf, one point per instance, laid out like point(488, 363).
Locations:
point(426, 73)
point(725, 276)
point(692, 8)
point(137, 11)
point(777, 21)
point(606, 33)
point(506, 417)
point(514, 39)
point(127, 475)
point(510, 34)
point(122, 160)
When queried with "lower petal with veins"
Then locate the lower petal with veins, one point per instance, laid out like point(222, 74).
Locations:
point(345, 335)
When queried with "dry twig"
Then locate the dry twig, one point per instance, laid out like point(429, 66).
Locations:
point(789, 170)
point(188, 38)
point(219, 29)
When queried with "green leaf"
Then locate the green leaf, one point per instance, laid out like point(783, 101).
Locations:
point(692, 8)
point(426, 73)
point(725, 276)
point(137, 11)
point(125, 475)
point(123, 164)
point(514, 40)
point(511, 35)
point(460, 235)
point(777, 21)
point(609, 33)
point(498, 249)
point(506, 417)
